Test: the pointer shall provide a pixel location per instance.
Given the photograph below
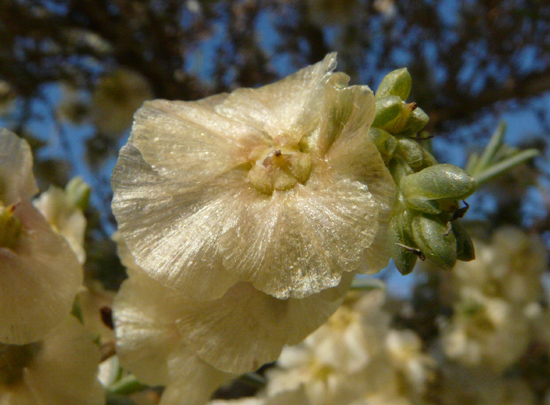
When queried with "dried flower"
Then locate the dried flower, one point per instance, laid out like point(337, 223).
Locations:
point(279, 186)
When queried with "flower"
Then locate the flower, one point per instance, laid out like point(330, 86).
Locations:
point(278, 186)
point(234, 334)
point(115, 99)
point(510, 267)
point(40, 275)
point(64, 217)
point(355, 358)
point(486, 331)
point(60, 369)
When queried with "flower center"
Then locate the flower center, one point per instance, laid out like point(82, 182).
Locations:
point(279, 169)
point(14, 359)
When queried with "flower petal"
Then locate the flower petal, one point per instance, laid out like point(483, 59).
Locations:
point(144, 316)
point(289, 107)
point(16, 177)
point(172, 232)
point(40, 279)
point(192, 379)
point(354, 156)
point(345, 112)
point(65, 368)
point(247, 328)
point(299, 242)
point(190, 141)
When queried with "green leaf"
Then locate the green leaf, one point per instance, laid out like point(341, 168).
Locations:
point(396, 83)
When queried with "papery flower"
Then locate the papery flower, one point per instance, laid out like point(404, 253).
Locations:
point(39, 273)
point(157, 328)
point(278, 186)
point(59, 369)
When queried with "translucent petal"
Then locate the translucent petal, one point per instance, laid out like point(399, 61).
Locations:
point(345, 112)
point(144, 314)
point(16, 177)
point(247, 328)
point(65, 368)
point(288, 108)
point(172, 232)
point(354, 156)
point(189, 141)
point(299, 242)
point(192, 379)
point(40, 279)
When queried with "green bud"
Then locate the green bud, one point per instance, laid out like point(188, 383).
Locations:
point(441, 181)
point(465, 250)
point(397, 83)
point(426, 206)
point(399, 239)
point(392, 114)
point(434, 239)
point(429, 159)
point(412, 152)
point(399, 169)
point(78, 193)
point(384, 141)
point(10, 227)
point(418, 119)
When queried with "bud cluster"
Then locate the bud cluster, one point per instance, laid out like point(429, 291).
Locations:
point(424, 222)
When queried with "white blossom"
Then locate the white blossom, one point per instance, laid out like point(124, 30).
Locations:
point(59, 369)
point(278, 186)
point(39, 274)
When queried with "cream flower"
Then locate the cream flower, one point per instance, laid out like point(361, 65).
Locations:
point(279, 187)
point(486, 331)
point(150, 346)
point(60, 369)
point(40, 275)
point(236, 333)
point(64, 217)
point(355, 358)
point(510, 267)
